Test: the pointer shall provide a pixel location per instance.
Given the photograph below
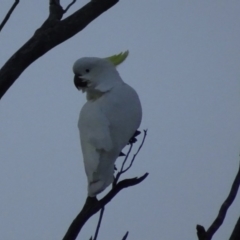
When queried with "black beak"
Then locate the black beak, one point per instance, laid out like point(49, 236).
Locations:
point(79, 82)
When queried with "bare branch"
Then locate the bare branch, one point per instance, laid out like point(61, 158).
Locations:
point(236, 231)
point(207, 235)
point(8, 15)
point(99, 224)
point(134, 156)
point(122, 170)
point(126, 158)
point(47, 38)
point(92, 206)
point(69, 5)
point(125, 236)
point(223, 210)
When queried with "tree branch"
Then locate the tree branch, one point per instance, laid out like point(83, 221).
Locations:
point(122, 167)
point(8, 15)
point(236, 231)
point(92, 206)
point(122, 170)
point(99, 224)
point(134, 156)
point(207, 235)
point(125, 236)
point(48, 37)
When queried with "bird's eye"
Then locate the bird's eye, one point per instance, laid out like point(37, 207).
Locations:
point(87, 70)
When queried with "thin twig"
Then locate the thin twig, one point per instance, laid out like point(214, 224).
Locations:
point(122, 170)
point(134, 156)
point(99, 224)
point(222, 212)
point(8, 14)
point(69, 5)
point(125, 160)
point(125, 236)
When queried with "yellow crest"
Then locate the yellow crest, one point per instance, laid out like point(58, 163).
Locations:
point(118, 58)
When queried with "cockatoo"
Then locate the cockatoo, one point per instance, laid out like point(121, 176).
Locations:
point(108, 119)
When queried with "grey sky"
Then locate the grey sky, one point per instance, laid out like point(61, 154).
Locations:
point(184, 63)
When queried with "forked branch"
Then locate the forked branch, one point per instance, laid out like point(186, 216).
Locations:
point(53, 32)
point(92, 206)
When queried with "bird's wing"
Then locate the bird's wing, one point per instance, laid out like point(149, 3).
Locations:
point(94, 127)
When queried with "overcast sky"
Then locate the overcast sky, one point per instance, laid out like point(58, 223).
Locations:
point(184, 64)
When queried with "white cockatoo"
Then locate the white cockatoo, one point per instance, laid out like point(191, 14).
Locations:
point(108, 119)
